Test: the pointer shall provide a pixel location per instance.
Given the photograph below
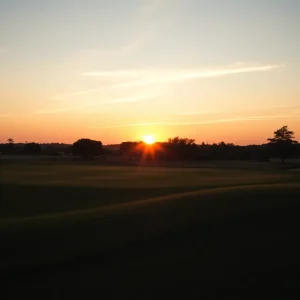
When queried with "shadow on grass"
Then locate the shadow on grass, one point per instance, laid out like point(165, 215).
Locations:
point(235, 257)
point(32, 200)
point(19, 201)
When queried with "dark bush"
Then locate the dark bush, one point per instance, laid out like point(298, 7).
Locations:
point(32, 148)
point(87, 148)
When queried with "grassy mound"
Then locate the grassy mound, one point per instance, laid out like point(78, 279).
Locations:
point(62, 236)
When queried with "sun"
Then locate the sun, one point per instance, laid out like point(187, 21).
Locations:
point(149, 139)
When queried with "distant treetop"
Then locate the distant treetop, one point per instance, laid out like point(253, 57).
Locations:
point(87, 148)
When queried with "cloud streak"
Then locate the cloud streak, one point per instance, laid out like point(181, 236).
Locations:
point(175, 75)
point(130, 99)
point(192, 113)
point(215, 121)
point(96, 103)
point(152, 77)
point(52, 111)
point(75, 94)
point(131, 125)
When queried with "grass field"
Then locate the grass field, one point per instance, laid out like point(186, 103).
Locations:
point(145, 232)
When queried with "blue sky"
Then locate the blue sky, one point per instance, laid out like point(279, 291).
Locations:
point(123, 69)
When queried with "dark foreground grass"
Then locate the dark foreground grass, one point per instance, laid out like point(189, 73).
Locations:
point(202, 242)
point(31, 189)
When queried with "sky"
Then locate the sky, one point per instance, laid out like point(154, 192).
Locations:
point(212, 70)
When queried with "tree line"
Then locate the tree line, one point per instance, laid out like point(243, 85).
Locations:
point(27, 148)
point(282, 145)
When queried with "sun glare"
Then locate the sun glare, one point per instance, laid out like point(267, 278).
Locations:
point(149, 139)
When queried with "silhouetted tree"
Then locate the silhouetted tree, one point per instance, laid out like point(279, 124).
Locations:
point(32, 148)
point(186, 149)
point(181, 141)
point(87, 148)
point(9, 147)
point(181, 148)
point(282, 142)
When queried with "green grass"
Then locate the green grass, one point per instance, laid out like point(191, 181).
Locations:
point(34, 189)
point(125, 229)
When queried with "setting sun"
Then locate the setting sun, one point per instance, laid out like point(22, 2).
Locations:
point(149, 139)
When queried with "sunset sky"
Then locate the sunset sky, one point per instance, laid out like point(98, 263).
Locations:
point(115, 70)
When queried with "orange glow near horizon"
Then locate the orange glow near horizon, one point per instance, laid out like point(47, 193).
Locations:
point(67, 129)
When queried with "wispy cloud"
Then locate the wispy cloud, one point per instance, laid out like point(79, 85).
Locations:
point(142, 124)
point(246, 118)
point(175, 75)
point(142, 30)
point(114, 74)
point(291, 110)
point(52, 111)
point(132, 46)
point(215, 121)
point(285, 107)
point(142, 25)
point(75, 94)
point(191, 113)
point(151, 77)
point(93, 104)
point(130, 99)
